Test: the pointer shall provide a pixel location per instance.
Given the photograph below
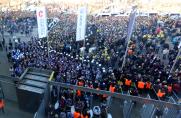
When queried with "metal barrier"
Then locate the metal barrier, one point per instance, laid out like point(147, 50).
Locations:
point(148, 110)
point(179, 114)
point(168, 112)
point(156, 103)
point(127, 108)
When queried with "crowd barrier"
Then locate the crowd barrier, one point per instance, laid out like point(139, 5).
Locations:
point(171, 108)
point(170, 113)
point(147, 110)
point(157, 103)
point(127, 108)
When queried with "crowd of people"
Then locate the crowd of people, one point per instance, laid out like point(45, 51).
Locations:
point(147, 68)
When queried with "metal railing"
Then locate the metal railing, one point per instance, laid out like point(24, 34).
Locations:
point(156, 103)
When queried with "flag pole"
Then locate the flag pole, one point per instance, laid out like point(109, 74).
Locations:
point(85, 4)
point(130, 30)
point(48, 45)
point(176, 59)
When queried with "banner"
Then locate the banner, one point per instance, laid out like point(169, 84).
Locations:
point(132, 19)
point(81, 24)
point(42, 22)
point(131, 23)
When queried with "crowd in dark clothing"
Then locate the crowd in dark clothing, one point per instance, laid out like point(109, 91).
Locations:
point(150, 57)
point(20, 25)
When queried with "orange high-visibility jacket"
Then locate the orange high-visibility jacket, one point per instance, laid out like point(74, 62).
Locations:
point(160, 94)
point(148, 85)
point(112, 89)
point(128, 82)
point(141, 85)
point(77, 115)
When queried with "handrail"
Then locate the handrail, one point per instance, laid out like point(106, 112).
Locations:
point(21, 77)
point(51, 76)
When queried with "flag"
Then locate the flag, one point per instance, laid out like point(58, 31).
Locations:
point(42, 22)
point(132, 19)
point(81, 24)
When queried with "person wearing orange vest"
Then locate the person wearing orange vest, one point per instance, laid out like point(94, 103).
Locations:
point(77, 114)
point(160, 94)
point(2, 105)
point(141, 86)
point(112, 88)
point(127, 84)
point(148, 85)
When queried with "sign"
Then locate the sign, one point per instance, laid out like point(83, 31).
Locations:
point(132, 20)
point(42, 22)
point(81, 24)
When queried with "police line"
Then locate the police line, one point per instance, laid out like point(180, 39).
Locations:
point(157, 103)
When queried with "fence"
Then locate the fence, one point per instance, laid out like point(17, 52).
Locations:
point(127, 108)
point(148, 110)
point(169, 112)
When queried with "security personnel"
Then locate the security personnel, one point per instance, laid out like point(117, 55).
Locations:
point(141, 86)
point(148, 85)
point(128, 82)
point(112, 88)
point(160, 94)
point(77, 114)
